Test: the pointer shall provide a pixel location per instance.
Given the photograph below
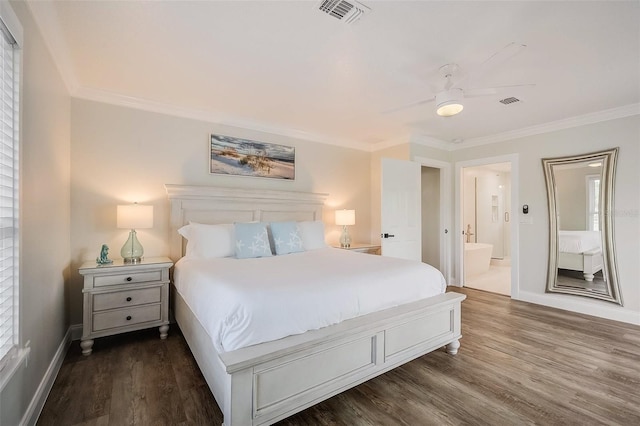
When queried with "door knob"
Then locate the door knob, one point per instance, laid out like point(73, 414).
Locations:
point(385, 235)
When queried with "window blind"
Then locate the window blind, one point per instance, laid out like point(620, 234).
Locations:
point(9, 202)
point(593, 201)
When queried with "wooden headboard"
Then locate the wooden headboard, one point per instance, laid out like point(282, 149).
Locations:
point(214, 205)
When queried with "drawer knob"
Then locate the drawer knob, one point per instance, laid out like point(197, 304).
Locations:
point(128, 317)
point(128, 299)
point(129, 278)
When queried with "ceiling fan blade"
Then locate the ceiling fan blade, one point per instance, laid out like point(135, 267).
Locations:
point(411, 105)
point(488, 91)
point(501, 56)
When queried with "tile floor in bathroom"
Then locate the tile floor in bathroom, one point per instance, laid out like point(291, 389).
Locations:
point(496, 280)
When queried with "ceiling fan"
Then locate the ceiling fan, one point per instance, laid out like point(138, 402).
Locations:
point(449, 101)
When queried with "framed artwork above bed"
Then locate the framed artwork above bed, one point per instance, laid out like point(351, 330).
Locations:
point(245, 157)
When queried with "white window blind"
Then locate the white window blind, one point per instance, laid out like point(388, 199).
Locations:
point(593, 201)
point(9, 174)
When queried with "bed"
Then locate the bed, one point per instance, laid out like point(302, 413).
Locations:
point(266, 382)
point(580, 251)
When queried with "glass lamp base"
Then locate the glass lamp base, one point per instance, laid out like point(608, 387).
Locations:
point(345, 238)
point(132, 250)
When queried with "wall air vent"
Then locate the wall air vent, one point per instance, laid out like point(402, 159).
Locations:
point(511, 100)
point(346, 11)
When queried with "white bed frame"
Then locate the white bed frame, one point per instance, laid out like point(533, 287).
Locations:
point(264, 383)
point(588, 262)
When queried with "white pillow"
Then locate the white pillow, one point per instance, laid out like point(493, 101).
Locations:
point(312, 234)
point(208, 241)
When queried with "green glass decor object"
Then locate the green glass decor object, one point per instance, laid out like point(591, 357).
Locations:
point(103, 259)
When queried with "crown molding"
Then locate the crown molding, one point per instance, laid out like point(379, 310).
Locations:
point(222, 119)
point(118, 99)
point(432, 142)
point(389, 143)
point(581, 120)
point(417, 139)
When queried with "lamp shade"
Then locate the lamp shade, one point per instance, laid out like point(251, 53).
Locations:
point(345, 217)
point(135, 216)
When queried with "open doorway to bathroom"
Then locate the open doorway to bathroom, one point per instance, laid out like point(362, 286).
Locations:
point(486, 219)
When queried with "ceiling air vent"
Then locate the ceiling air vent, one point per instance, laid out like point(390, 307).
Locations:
point(511, 100)
point(346, 11)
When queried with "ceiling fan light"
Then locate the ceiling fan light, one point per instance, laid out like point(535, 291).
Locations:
point(449, 102)
point(447, 110)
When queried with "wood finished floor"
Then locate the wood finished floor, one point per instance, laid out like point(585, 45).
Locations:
point(519, 364)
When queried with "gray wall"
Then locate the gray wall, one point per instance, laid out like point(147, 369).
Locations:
point(44, 223)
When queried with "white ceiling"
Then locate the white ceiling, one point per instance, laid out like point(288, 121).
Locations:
point(284, 67)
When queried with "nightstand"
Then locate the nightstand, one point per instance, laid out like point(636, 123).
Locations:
point(124, 297)
point(362, 248)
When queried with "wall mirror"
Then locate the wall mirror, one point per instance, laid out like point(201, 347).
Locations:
point(580, 193)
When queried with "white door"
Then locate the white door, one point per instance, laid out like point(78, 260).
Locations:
point(401, 209)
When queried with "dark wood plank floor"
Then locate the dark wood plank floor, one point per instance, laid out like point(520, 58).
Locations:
point(519, 364)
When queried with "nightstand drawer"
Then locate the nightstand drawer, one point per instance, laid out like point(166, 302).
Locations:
point(124, 317)
point(121, 299)
point(136, 277)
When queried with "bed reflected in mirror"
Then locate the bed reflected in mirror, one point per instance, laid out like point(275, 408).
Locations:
point(581, 252)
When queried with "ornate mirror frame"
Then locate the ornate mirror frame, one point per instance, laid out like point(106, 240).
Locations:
point(610, 270)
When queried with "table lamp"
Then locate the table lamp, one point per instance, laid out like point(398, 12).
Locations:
point(134, 216)
point(345, 218)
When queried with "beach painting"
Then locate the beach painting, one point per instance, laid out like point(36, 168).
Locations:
point(244, 157)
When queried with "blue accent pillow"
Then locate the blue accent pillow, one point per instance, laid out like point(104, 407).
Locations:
point(286, 237)
point(252, 240)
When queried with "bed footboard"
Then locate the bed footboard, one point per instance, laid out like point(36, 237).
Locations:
point(588, 262)
point(274, 380)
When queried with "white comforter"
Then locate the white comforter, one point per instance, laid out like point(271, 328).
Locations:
point(578, 241)
point(242, 302)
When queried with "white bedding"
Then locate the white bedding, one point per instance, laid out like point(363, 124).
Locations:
point(578, 241)
point(242, 302)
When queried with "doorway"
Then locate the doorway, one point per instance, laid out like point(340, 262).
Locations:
point(401, 207)
point(430, 198)
point(435, 214)
point(487, 228)
point(487, 224)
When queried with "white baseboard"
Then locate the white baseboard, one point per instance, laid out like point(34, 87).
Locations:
point(594, 308)
point(37, 402)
